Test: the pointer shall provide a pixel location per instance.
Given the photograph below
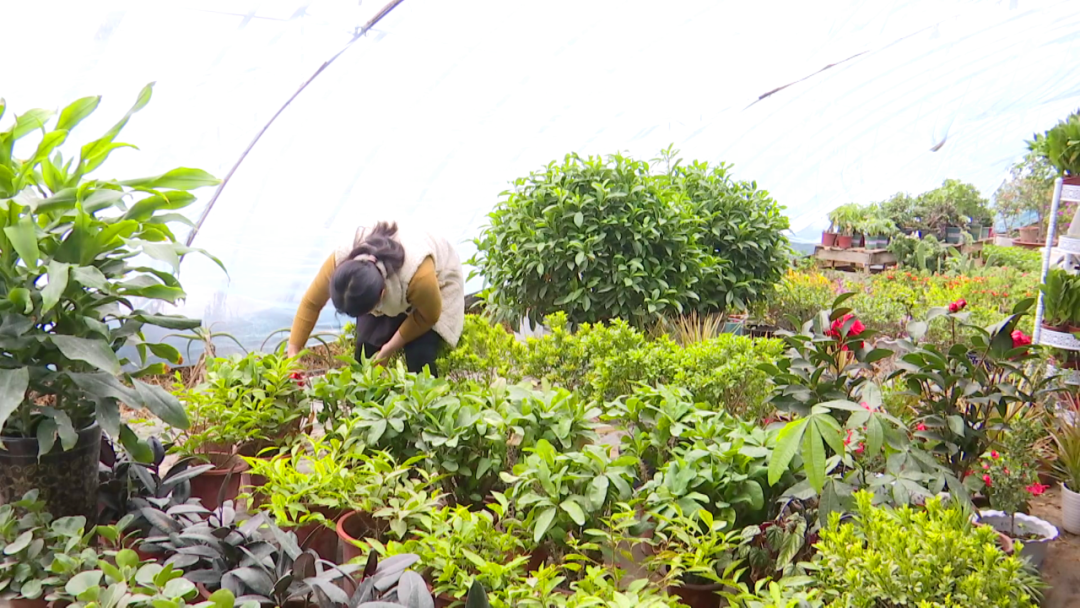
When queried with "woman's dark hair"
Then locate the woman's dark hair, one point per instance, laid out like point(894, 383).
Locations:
point(357, 285)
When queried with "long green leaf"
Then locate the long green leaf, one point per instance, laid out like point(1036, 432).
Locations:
point(13, 384)
point(543, 522)
point(813, 453)
point(787, 445)
point(95, 352)
point(31, 120)
point(76, 112)
point(181, 178)
point(161, 403)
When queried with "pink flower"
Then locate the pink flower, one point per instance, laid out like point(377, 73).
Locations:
point(1019, 339)
point(860, 449)
point(958, 305)
point(967, 474)
point(994, 454)
point(1036, 489)
point(986, 467)
point(920, 427)
point(986, 480)
point(866, 406)
point(847, 440)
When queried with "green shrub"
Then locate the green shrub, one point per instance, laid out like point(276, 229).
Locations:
point(485, 352)
point(918, 557)
point(603, 238)
point(1024, 260)
point(742, 226)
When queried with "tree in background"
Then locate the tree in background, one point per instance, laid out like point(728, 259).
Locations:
point(1025, 197)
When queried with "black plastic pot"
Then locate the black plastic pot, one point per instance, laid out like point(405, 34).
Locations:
point(66, 480)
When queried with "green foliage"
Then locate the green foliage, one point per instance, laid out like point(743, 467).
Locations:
point(845, 217)
point(301, 486)
point(1060, 145)
point(558, 495)
point(467, 436)
point(1061, 299)
point(38, 554)
point(603, 238)
point(485, 352)
point(1024, 260)
point(72, 281)
point(925, 254)
point(741, 227)
point(868, 561)
point(245, 404)
point(693, 549)
point(127, 582)
point(460, 547)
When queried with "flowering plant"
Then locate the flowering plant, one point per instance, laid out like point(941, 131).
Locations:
point(972, 386)
point(828, 361)
point(1009, 482)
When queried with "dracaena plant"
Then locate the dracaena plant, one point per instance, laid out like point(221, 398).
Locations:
point(75, 285)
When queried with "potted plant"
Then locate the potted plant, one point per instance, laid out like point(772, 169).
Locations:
point(1061, 294)
point(876, 229)
point(844, 218)
point(1061, 147)
point(215, 437)
point(1067, 467)
point(457, 546)
point(694, 555)
point(1010, 481)
point(828, 236)
point(1030, 234)
point(68, 262)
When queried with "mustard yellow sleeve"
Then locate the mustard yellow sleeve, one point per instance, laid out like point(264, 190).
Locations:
point(311, 305)
point(424, 297)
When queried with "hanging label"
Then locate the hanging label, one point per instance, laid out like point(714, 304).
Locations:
point(1070, 193)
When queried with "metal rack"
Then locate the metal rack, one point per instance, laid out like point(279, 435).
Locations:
point(1066, 255)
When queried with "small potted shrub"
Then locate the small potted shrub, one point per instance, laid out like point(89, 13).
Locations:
point(876, 230)
point(211, 439)
point(1067, 467)
point(845, 218)
point(694, 555)
point(828, 236)
point(1010, 481)
point(1061, 147)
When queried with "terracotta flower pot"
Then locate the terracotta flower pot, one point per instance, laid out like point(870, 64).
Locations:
point(828, 239)
point(353, 529)
point(319, 537)
point(1029, 234)
point(208, 486)
point(843, 241)
point(699, 596)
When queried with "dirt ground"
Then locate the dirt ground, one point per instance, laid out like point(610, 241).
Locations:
point(1061, 570)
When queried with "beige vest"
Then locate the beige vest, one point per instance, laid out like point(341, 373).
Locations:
point(420, 245)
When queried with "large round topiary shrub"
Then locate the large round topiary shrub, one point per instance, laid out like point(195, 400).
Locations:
point(602, 238)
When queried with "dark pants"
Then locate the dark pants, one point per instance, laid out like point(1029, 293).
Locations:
point(373, 332)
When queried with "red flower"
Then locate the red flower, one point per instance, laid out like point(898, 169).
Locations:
point(1036, 489)
point(296, 376)
point(860, 449)
point(967, 474)
point(994, 454)
point(958, 305)
point(920, 427)
point(847, 440)
point(838, 326)
point(300, 383)
point(1019, 339)
point(986, 467)
point(866, 406)
point(986, 480)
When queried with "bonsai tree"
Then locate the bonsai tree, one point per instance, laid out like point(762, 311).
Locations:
point(75, 283)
